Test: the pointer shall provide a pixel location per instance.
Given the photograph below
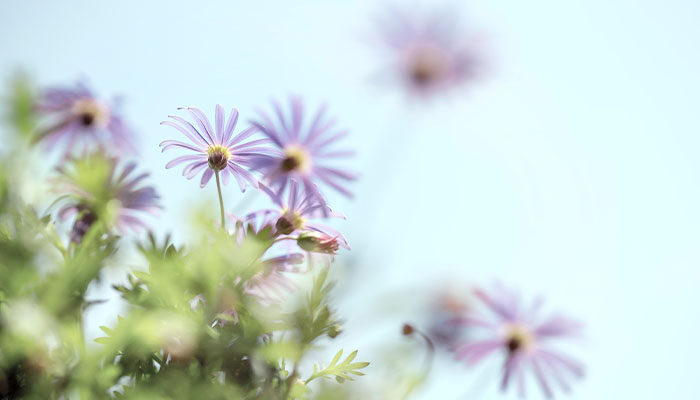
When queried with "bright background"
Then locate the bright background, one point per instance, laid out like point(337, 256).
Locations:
point(570, 170)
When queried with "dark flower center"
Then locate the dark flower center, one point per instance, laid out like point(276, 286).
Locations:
point(284, 225)
point(290, 163)
point(427, 65)
point(295, 159)
point(422, 73)
point(218, 157)
point(90, 113)
point(82, 224)
point(288, 223)
point(86, 119)
point(519, 338)
point(514, 344)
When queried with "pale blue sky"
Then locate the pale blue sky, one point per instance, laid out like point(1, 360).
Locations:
point(570, 170)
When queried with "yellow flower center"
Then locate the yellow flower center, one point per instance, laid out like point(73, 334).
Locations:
point(218, 156)
point(91, 113)
point(295, 159)
point(518, 338)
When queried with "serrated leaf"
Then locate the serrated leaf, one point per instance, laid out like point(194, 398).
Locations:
point(337, 357)
point(341, 371)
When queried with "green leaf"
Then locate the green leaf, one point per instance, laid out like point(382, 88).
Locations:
point(102, 340)
point(341, 371)
point(106, 330)
point(275, 351)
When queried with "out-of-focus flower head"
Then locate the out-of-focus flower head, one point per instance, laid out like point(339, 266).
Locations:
point(524, 338)
point(447, 306)
point(79, 121)
point(271, 283)
point(430, 55)
point(303, 152)
point(217, 150)
point(96, 189)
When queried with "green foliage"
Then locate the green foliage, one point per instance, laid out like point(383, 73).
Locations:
point(341, 371)
point(4, 188)
point(20, 105)
point(317, 318)
point(194, 326)
point(42, 296)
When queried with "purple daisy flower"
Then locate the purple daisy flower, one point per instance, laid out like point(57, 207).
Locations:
point(302, 151)
point(523, 338)
point(217, 150)
point(117, 197)
point(82, 122)
point(294, 215)
point(429, 54)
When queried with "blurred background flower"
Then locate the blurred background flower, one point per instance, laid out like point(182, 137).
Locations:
point(429, 52)
point(75, 119)
point(523, 336)
point(94, 189)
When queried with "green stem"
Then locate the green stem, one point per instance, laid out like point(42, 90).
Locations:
point(283, 238)
point(221, 199)
point(289, 383)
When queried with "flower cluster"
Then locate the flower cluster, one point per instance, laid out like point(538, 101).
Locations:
point(288, 152)
point(290, 160)
point(210, 314)
point(214, 319)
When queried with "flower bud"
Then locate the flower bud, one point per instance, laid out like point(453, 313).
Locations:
point(335, 330)
point(318, 243)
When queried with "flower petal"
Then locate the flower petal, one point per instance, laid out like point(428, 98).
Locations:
point(230, 126)
point(206, 176)
point(166, 144)
point(246, 133)
point(219, 123)
point(196, 138)
point(273, 196)
point(191, 170)
point(245, 174)
point(180, 160)
point(202, 122)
